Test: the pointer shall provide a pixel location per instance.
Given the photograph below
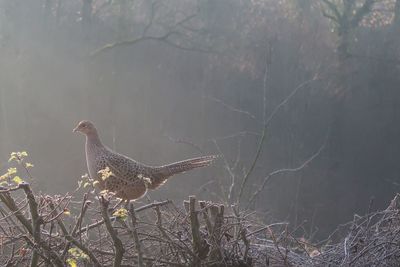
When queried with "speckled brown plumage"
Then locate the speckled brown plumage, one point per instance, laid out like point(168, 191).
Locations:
point(128, 178)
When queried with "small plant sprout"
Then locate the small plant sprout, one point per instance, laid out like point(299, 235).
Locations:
point(76, 254)
point(105, 173)
point(6, 178)
point(17, 180)
point(72, 262)
point(67, 212)
point(18, 157)
point(121, 214)
point(146, 180)
point(86, 181)
point(29, 165)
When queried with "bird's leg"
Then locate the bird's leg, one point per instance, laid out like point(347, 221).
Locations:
point(127, 204)
point(118, 203)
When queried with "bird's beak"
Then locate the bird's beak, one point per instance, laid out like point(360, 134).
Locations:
point(75, 130)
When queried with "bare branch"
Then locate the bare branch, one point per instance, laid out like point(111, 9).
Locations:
point(130, 42)
point(135, 235)
point(287, 170)
point(361, 12)
point(186, 142)
point(231, 108)
point(332, 7)
point(35, 218)
point(334, 19)
point(119, 247)
point(195, 227)
point(151, 19)
point(163, 38)
point(72, 240)
point(230, 172)
point(267, 121)
point(78, 225)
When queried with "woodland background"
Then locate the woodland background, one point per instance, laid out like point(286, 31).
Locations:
point(165, 80)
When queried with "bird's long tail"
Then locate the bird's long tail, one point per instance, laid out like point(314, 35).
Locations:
point(162, 173)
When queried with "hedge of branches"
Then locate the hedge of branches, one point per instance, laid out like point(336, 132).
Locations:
point(370, 240)
point(97, 230)
point(57, 231)
point(40, 230)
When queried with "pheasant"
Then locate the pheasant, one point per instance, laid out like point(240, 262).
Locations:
point(125, 177)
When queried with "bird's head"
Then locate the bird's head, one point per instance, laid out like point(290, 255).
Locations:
point(85, 127)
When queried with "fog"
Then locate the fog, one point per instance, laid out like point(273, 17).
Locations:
point(168, 80)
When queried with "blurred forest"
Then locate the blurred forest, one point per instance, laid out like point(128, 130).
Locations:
point(311, 86)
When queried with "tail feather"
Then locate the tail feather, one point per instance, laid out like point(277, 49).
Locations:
point(163, 172)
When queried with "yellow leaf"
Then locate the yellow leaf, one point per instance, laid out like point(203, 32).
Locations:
point(105, 173)
point(121, 213)
point(95, 183)
point(17, 180)
point(24, 154)
point(86, 184)
point(77, 253)
point(147, 180)
point(72, 262)
point(11, 171)
point(12, 157)
point(103, 192)
point(28, 165)
point(67, 212)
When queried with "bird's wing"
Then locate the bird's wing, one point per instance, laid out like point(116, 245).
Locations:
point(123, 167)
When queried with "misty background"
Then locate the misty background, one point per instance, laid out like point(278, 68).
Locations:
point(167, 80)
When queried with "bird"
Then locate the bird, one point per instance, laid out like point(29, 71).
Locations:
point(126, 178)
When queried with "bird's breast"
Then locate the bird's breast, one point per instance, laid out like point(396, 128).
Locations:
point(93, 162)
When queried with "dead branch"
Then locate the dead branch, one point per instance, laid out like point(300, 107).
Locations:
point(195, 227)
point(135, 235)
point(287, 170)
point(204, 236)
point(35, 218)
point(164, 38)
point(119, 247)
point(72, 240)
